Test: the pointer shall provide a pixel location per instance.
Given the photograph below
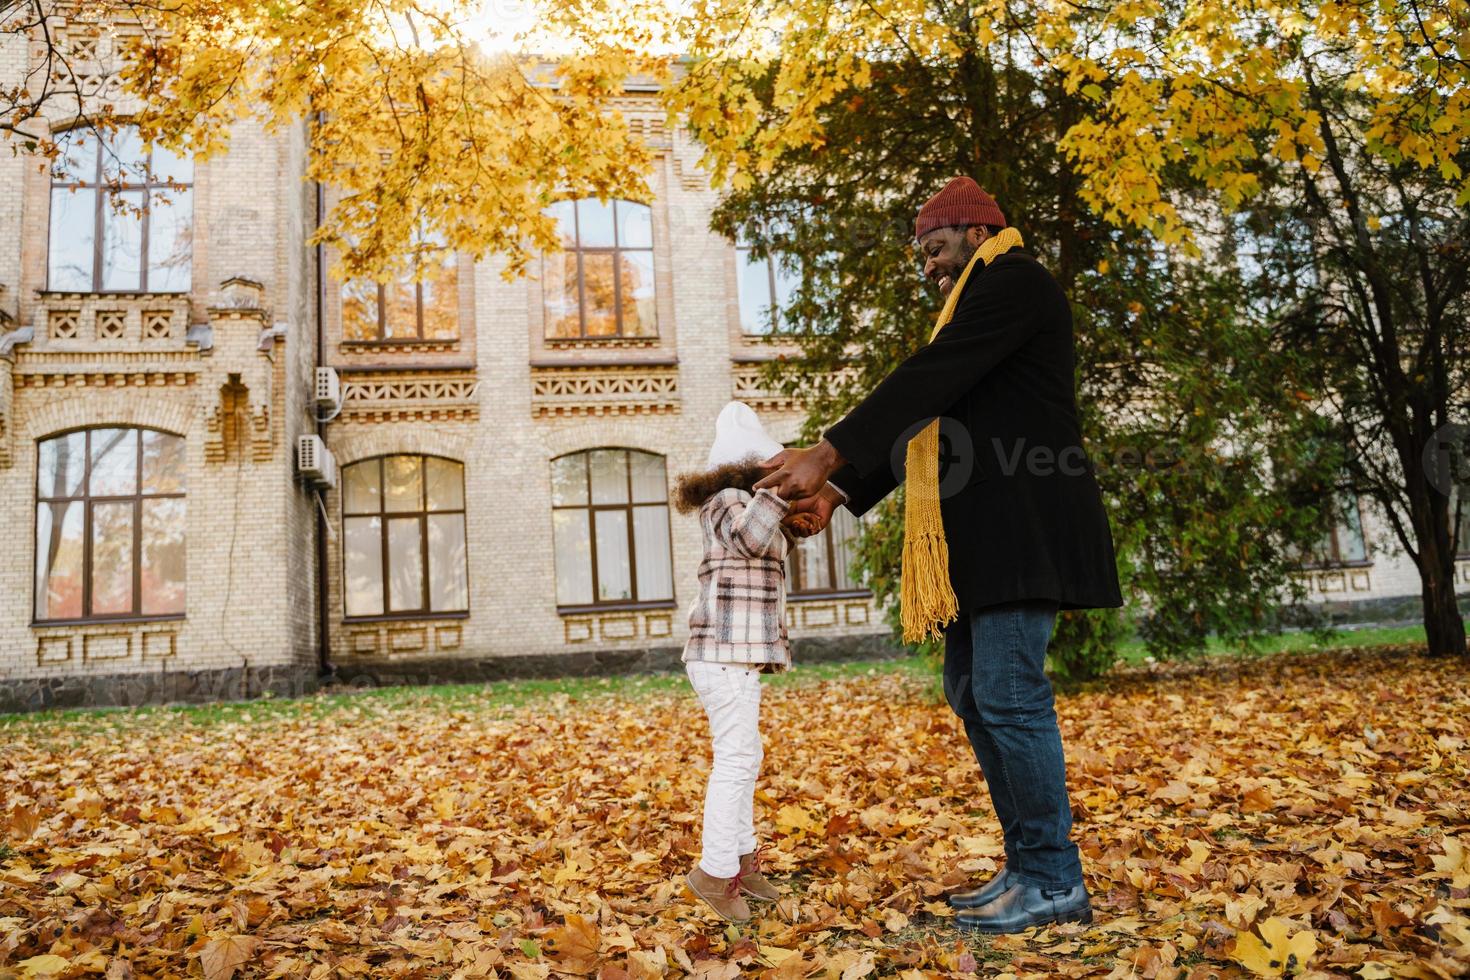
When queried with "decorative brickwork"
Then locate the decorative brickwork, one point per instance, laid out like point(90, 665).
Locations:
point(63, 324)
point(612, 390)
point(614, 627)
point(1335, 582)
point(405, 638)
point(397, 396)
point(354, 443)
point(110, 324)
point(749, 388)
point(821, 615)
point(157, 324)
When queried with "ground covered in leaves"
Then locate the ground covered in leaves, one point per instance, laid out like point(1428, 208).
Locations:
point(1304, 815)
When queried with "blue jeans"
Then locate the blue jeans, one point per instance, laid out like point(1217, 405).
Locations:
point(993, 679)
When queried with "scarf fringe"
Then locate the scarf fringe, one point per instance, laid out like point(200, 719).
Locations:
point(927, 594)
point(927, 600)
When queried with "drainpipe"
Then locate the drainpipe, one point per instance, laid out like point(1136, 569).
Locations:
point(323, 612)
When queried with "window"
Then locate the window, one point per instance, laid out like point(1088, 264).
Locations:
point(610, 522)
point(423, 305)
point(766, 287)
point(403, 537)
point(122, 217)
point(1344, 544)
point(109, 525)
point(823, 562)
point(601, 283)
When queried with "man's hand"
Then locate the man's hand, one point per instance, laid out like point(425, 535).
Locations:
point(813, 512)
point(800, 473)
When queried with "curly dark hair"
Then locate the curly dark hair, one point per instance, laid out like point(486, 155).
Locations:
point(691, 490)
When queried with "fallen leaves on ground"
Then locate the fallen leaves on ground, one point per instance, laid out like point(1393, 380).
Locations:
point(1299, 816)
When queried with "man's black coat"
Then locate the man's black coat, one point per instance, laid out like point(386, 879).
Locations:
point(1023, 516)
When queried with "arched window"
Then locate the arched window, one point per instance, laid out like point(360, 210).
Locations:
point(823, 562)
point(414, 307)
point(601, 284)
point(766, 286)
point(610, 518)
point(122, 216)
point(403, 540)
point(110, 525)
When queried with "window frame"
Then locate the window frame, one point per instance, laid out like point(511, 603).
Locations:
point(602, 605)
point(87, 500)
point(102, 193)
point(616, 250)
point(798, 591)
point(422, 515)
point(774, 315)
point(1332, 558)
point(381, 339)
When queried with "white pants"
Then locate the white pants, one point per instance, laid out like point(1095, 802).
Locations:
point(731, 695)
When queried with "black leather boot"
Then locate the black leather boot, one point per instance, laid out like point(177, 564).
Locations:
point(1023, 906)
point(976, 897)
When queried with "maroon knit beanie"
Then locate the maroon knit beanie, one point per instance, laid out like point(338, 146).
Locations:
point(962, 202)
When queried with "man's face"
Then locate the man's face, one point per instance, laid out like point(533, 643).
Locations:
point(947, 251)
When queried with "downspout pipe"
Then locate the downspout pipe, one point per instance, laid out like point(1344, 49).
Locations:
point(325, 669)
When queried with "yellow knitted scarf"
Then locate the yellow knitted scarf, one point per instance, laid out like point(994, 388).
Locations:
point(928, 601)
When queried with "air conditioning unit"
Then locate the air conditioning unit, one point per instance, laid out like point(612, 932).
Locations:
point(314, 462)
point(328, 390)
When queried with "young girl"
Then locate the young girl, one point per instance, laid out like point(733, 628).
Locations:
point(737, 631)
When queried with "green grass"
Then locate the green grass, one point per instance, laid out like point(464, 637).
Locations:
point(502, 697)
point(496, 697)
point(1134, 652)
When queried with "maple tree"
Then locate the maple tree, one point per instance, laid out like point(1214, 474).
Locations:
point(429, 138)
point(1167, 364)
point(1304, 805)
point(1343, 128)
point(1338, 134)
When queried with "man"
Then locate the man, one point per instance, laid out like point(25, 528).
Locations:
point(1023, 525)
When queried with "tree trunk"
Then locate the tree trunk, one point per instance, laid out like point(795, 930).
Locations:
point(1429, 515)
point(1442, 622)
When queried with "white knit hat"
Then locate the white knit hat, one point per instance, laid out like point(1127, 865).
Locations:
point(740, 438)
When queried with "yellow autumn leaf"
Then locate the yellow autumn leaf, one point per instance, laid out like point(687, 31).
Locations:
point(573, 946)
point(43, 965)
point(1455, 862)
point(221, 957)
point(775, 955)
point(1198, 854)
point(1277, 951)
point(791, 819)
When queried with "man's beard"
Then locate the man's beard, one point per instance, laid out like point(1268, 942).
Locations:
point(967, 252)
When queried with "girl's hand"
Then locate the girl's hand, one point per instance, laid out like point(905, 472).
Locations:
point(803, 525)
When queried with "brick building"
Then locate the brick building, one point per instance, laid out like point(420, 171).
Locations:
point(503, 449)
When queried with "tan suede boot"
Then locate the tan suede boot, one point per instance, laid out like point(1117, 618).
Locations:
point(721, 894)
point(752, 882)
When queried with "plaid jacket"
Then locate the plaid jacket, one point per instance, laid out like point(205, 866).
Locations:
point(740, 614)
